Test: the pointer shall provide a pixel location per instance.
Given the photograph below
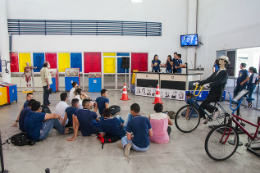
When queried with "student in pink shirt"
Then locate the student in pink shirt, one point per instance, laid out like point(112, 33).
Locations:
point(160, 128)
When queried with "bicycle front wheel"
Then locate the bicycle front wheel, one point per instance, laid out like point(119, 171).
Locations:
point(187, 119)
point(217, 144)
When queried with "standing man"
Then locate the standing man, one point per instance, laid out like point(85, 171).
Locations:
point(28, 75)
point(242, 79)
point(174, 70)
point(46, 82)
point(178, 65)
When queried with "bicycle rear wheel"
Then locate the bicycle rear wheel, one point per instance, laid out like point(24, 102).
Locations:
point(187, 122)
point(216, 144)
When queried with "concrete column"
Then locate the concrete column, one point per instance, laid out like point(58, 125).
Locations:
point(192, 19)
point(4, 41)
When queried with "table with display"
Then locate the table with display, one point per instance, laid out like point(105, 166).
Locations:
point(172, 85)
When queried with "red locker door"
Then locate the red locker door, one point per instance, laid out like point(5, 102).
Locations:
point(139, 61)
point(52, 59)
point(96, 61)
point(87, 62)
point(143, 61)
point(14, 62)
point(92, 62)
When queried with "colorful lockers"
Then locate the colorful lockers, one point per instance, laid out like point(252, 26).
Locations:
point(89, 61)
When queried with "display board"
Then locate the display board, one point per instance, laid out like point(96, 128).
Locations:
point(109, 65)
point(63, 61)
point(76, 60)
point(139, 61)
point(52, 59)
point(38, 60)
point(92, 62)
point(23, 59)
point(14, 65)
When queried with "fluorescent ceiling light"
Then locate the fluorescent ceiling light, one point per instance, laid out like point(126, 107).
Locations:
point(136, 1)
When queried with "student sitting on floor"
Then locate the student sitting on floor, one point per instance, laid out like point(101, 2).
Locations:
point(84, 118)
point(160, 128)
point(141, 129)
point(102, 102)
point(78, 94)
point(74, 85)
point(190, 101)
point(70, 111)
point(61, 107)
point(111, 126)
point(38, 125)
point(23, 114)
point(29, 96)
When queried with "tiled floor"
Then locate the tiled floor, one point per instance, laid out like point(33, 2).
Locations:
point(184, 152)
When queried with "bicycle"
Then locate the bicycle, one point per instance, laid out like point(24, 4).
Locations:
point(216, 144)
point(188, 117)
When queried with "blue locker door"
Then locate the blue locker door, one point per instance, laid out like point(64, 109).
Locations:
point(69, 81)
point(38, 60)
point(53, 85)
point(13, 93)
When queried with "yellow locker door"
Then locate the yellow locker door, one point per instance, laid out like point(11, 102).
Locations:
point(110, 65)
point(64, 61)
point(23, 59)
point(3, 95)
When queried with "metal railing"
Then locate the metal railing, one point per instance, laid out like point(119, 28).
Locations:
point(83, 27)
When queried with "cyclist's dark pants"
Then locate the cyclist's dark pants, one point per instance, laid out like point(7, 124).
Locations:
point(207, 106)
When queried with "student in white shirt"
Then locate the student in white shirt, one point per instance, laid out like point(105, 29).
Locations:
point(61, 107)
point(74, 85)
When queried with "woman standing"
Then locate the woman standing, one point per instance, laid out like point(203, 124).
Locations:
point(169, 64)
point(253, 80)
point(215, 66)
point(156, 63)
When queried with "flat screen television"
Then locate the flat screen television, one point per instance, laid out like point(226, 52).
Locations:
point(189, 40)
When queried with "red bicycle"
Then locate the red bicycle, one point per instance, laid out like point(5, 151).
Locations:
point(216, 144)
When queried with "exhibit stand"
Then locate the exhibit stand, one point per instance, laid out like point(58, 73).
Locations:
point(55, 80)
point(71, 75)
point(11, 91)
point(94, 82)
point(3, 95)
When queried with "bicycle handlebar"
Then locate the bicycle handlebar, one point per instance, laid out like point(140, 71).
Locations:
point(196, 90)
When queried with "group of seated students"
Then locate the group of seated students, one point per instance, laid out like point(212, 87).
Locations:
point(136, 132)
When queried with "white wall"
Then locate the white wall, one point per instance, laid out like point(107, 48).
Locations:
point(171, 13)
point(226, 24)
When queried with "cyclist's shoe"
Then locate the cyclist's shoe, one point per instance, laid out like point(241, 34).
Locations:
point(203, 121)
point(215, 115)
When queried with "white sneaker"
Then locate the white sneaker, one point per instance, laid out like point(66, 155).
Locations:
point(127, 149)
point(215, 115)
point(203, 121)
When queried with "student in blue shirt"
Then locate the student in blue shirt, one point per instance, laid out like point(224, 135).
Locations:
point(102, 102)
point(141, 129)
point(190, 101)
point(178, 64)
point(84, 118)
point(29, 96)
point(242, 79)
point(111, 126)
point(169, 64)
point(156, 63)
point(70, 111)
point(215, 66)
point(23, 114)
point(252, 82)
point(38, 125)
point(175, 59)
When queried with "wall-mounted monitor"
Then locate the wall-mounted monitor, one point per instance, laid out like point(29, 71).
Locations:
point(189, 40)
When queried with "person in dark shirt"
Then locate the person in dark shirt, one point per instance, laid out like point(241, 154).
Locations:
point(102, 102)
point(84, 118)
point(111, 126)
point(70, 111)
point(178, 65)
point(23, 114)
point(175, 59)
point(242, 79)
point(216, 82)
point(29, 96)
point(156, 63)
point(169, 64)
point(38, 125)
point(141, 128)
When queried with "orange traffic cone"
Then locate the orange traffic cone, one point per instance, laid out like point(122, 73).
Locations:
point(124, 95)
point(157, 98)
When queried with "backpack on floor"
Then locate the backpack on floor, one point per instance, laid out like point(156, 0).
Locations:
point(45, 109)
point(171, 114)
point(107, 139)
point(115, 109)
point(20, 139)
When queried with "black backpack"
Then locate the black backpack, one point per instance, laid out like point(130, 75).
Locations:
point(45, 109)
point(20, 139)
point(107, 139)
point(114, 109)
